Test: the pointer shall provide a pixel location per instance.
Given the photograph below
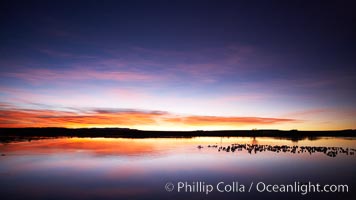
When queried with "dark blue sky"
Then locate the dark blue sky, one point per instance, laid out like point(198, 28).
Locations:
point(203, 58)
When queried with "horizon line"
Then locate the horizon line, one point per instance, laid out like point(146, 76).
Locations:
point(196, 130)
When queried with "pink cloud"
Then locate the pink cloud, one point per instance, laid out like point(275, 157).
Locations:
point(307, 112)
point(339, 113)
point(203, 68)
point(129, 94)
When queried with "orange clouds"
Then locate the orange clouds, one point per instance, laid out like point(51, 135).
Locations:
point(50, 118)
point(226, 121)
point(12, 117)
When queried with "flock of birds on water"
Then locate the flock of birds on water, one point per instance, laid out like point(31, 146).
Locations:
point(256, 148)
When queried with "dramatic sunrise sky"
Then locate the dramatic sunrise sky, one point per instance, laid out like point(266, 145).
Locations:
point(178, 65)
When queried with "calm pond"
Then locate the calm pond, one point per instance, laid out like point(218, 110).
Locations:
point(177, 168)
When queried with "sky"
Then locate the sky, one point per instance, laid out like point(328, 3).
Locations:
point(178, 65)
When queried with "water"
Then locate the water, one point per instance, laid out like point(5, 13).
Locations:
point(121, 168)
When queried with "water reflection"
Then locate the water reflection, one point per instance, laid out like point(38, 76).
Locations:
point(255, 148)
point(121, 168)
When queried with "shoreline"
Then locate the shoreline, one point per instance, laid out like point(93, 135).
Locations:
point(134, 133)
